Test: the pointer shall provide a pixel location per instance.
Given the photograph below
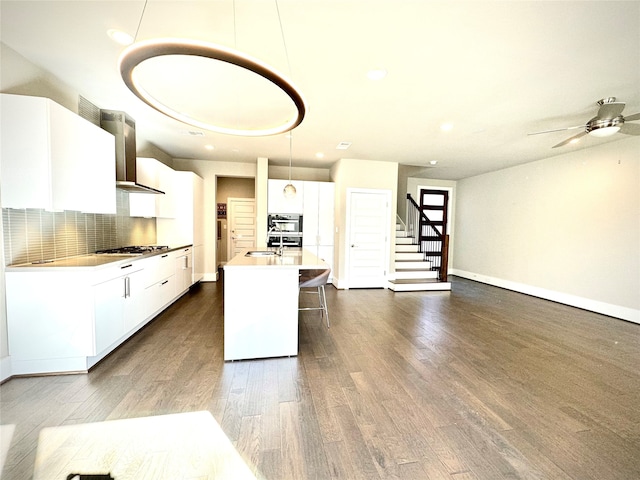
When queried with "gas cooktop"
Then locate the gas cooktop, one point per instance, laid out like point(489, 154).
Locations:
point(133, 250)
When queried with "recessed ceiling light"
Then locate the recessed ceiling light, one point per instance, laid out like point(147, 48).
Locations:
point(120, 37)
point(446, 127)
point(343, 145)
point(319, 155)
point(209, 147)
point(575, 140)
point(433, 162)
point(376, 74)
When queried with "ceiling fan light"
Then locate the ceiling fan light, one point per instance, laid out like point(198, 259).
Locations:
point(605, 131)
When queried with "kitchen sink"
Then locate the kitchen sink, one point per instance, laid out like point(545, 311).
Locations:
point(260, 253)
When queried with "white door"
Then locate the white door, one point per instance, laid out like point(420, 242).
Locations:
point(368, 227)
point(241, 228)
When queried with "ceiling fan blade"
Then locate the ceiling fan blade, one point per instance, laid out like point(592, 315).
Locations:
point(610, 110)
point(630, 129)
point(631, 118)
point(570, 139)
point(557, 130)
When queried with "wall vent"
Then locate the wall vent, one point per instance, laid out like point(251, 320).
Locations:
point(88, 110)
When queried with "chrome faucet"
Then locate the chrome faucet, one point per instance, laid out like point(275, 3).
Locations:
point(276, 228)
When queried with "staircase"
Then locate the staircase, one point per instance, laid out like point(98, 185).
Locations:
point(412, 272)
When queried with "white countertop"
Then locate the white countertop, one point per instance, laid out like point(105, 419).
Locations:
point(84, 262)
point(298, 258)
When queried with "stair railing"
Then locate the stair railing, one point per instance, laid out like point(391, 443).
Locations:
point(433, 243)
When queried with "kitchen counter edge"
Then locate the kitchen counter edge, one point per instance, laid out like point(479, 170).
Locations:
point(88, 262)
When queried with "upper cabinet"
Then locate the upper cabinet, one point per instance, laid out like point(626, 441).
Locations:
point(278, 203)
point(187, 227)
point(155, 174)
point(53, 159)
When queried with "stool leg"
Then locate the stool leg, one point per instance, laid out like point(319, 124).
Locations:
point(323, 303)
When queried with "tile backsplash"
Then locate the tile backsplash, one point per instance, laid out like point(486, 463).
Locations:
point(32, 235)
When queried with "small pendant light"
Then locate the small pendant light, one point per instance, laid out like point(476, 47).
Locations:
point(289, 190)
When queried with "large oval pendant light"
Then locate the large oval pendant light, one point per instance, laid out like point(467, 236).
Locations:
point(139, 52)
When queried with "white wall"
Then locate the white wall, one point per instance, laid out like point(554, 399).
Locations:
point(350, 173)
point(209, 171)
point(565, 228)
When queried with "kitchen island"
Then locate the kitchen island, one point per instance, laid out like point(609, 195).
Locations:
point(261, 303)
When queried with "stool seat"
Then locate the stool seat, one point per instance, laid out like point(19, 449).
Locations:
point(318, 279)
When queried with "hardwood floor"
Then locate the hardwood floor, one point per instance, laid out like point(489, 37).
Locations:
point(477, 383)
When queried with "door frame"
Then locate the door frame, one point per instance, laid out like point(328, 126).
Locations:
point(229, 223)
point(347, 260)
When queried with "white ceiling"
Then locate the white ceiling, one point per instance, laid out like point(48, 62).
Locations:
point(497, 70)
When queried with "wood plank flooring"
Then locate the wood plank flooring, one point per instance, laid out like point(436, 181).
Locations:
point(476, 383)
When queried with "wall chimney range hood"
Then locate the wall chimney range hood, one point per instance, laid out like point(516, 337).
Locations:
point(123, 127)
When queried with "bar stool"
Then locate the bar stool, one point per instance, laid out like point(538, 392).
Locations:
point(318, 279)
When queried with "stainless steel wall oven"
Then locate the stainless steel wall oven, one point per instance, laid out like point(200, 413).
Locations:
point(284, 230)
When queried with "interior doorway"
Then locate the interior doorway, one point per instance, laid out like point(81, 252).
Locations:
point(368, 223)
point(228, 187)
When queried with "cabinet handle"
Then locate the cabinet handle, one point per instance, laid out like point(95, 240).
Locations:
point(126, 266)
point(165, 256)
point(165, 282)
point(186, 262)
point(127, 287)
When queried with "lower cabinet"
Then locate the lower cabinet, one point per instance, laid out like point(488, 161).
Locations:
point(119, 307)
point(62, 320)
point(183, 270)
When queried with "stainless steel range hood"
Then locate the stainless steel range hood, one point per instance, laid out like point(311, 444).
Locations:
point(123, 127)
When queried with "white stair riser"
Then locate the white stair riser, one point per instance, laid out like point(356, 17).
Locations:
point(420, 287)
point(415, 256)
point(407, 248)
point(411, 265)
point(415, 274)
point(404, 241)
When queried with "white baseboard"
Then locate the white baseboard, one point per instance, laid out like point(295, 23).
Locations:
point(5, 368)
point(617, 311)
point(210, 277)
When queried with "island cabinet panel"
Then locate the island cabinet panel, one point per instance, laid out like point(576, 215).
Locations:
point(260, 313)
point(53, 159)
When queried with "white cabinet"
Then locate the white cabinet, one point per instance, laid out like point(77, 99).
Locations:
point(155, 174)
point(187, 228)
point(159, 283)
point(49, 318)
point(118, 304)
point(278, 203)
point(183, 269)
point(318, 220)
point(53, 159)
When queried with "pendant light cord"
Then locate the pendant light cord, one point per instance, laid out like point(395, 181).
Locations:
point(290, 149)
point(144, 8)
point(284, 43)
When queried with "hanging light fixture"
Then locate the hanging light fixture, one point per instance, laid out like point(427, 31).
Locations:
point(139, 52)
point(289, 190)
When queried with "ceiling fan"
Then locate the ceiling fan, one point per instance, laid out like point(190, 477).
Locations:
point(608, 121)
